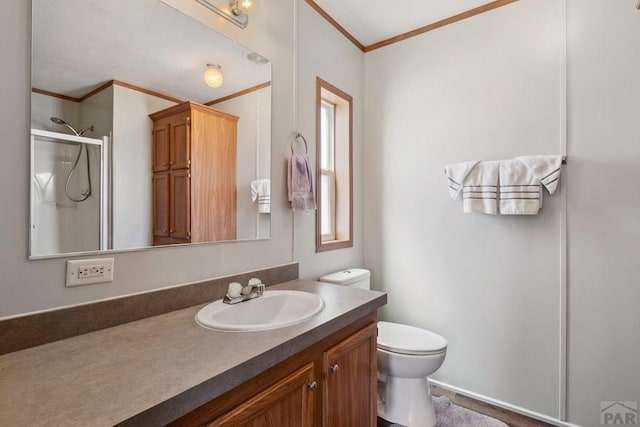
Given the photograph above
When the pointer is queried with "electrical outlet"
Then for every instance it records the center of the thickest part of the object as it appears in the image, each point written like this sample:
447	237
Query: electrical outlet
88	271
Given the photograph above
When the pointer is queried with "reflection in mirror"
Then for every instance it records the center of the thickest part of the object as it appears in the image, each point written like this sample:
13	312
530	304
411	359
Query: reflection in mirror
130	146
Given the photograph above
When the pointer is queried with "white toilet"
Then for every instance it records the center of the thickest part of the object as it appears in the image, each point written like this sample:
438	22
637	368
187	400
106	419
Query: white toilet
406	357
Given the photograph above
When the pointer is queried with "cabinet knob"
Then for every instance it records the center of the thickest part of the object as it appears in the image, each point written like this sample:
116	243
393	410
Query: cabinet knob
313	386
170	231
164	230
164	164
335	368
171	163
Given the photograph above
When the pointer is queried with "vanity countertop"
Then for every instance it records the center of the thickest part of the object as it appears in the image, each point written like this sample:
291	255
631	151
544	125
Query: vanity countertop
152	371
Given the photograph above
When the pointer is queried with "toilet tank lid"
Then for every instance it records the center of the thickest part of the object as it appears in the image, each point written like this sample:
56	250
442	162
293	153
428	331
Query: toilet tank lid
346	277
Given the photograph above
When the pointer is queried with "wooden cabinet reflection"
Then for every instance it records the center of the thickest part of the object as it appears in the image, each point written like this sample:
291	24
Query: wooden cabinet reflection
194	174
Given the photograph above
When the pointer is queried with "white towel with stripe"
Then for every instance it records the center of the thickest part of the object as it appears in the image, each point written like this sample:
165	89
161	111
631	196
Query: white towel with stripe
546	169
520	190
478	183
261	191
521	182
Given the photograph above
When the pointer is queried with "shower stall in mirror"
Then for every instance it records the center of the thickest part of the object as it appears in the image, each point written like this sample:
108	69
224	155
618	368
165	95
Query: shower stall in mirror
69	202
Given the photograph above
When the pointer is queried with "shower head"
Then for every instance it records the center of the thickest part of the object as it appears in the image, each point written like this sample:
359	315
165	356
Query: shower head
59	121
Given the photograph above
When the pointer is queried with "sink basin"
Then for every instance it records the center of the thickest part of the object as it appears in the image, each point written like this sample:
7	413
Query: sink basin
274	309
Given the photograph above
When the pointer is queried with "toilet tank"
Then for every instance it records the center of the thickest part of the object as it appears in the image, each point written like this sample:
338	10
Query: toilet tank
355	277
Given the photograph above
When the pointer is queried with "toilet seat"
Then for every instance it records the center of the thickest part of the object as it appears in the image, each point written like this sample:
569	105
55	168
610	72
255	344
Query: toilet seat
405	339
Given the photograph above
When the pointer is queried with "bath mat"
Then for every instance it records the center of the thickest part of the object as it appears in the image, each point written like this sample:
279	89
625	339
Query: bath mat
451	415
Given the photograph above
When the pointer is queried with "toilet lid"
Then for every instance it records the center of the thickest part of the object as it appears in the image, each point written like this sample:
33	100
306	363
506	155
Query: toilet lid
405	339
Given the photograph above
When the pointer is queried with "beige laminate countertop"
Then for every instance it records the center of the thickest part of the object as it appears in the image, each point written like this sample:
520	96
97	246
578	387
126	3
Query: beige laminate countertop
154	370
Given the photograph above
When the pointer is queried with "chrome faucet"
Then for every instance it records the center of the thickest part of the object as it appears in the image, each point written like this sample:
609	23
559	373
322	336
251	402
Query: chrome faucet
236	293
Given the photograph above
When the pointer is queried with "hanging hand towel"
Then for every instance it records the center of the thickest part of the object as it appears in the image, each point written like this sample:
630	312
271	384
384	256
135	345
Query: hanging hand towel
546	169
300	183
521	183
261	191
520	190
478	182
456	174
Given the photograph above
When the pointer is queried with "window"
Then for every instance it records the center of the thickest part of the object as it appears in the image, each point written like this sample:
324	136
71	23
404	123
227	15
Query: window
334	129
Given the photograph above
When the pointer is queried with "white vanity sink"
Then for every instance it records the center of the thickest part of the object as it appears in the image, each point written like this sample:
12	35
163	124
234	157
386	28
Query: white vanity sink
274	309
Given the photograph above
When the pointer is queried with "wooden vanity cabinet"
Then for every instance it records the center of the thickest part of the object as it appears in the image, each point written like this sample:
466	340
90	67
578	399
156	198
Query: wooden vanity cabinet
194	174
330	384
289	402
350	390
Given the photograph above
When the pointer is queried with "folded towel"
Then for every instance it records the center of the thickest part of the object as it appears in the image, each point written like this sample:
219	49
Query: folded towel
546	169
456	174
520	190
300	183
261	191
478	182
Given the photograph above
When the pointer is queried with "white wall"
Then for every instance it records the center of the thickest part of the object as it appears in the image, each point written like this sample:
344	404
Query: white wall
491	87
323	52
36	285
603	191
487	88
254	147
131	146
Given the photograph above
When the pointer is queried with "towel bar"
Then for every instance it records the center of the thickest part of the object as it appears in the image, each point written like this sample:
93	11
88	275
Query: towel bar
296	136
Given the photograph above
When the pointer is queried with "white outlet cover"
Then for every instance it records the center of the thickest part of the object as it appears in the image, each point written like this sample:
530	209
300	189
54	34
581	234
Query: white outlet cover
74	265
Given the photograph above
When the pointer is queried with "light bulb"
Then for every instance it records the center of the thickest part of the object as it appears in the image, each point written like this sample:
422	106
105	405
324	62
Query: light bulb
246	4
213	76
240	7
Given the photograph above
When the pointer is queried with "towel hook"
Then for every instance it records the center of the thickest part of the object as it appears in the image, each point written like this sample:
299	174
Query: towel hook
296	137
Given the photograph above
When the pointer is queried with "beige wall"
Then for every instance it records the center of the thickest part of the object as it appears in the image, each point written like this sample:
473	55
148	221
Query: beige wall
323	52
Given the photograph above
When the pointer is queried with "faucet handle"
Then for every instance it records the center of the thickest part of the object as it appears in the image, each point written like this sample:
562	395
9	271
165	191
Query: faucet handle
254	285
254	281
234	290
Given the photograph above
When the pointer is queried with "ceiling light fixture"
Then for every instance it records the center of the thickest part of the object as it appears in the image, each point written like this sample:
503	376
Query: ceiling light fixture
213	75
235	11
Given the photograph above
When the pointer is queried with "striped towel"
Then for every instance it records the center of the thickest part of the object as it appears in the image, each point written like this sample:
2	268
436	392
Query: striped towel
261	191
521	182
478	183
520	190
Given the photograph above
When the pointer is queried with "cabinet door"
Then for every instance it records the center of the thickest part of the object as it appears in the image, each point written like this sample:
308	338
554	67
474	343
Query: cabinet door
350	373
287	403
180	205
161	204
161	148
180	146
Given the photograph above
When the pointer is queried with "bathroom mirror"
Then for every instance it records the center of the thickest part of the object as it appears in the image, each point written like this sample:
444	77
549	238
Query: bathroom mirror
105	77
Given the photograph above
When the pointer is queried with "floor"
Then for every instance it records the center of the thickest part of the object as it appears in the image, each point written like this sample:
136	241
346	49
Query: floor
508	417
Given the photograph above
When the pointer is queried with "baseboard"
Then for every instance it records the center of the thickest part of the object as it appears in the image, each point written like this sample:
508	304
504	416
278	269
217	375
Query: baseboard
505	405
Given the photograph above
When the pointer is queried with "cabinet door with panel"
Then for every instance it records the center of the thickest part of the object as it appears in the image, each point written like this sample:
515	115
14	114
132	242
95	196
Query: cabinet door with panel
350	381
180	205
160	147
180	142
287	403
161	204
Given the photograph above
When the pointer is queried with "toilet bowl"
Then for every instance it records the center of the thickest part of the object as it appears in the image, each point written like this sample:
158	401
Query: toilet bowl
406	357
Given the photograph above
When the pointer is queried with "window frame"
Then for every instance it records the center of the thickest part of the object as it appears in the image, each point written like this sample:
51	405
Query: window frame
342	191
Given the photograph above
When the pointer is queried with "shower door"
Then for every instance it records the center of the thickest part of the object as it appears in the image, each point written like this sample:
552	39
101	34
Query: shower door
69	194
